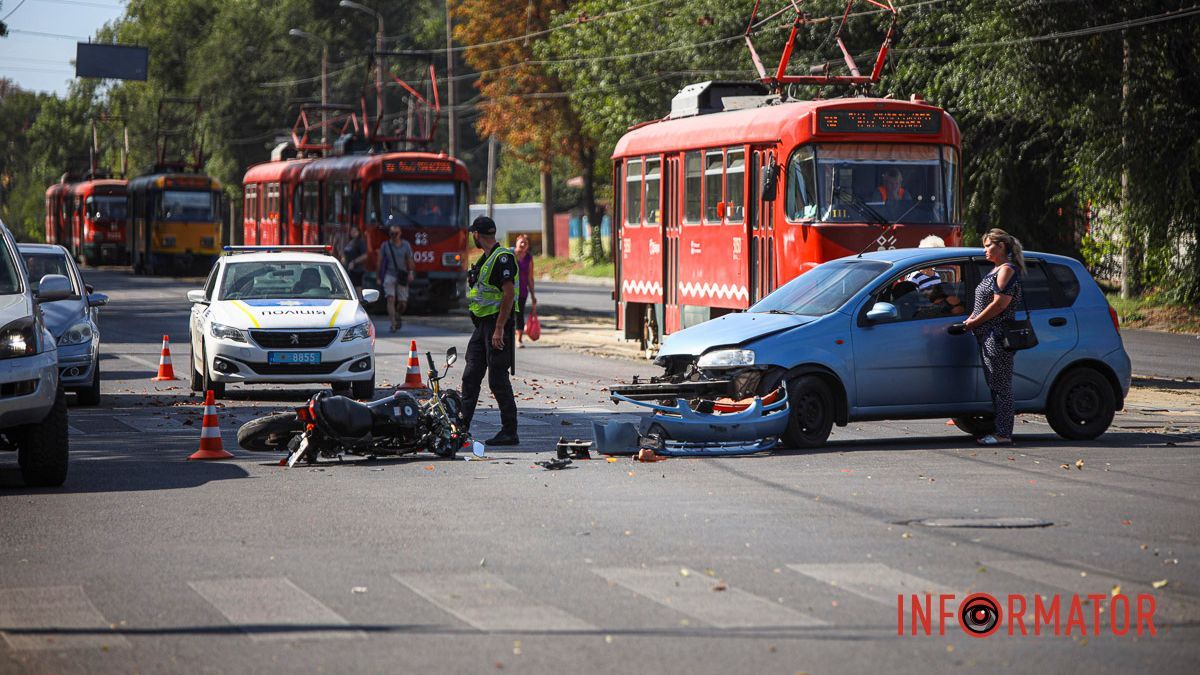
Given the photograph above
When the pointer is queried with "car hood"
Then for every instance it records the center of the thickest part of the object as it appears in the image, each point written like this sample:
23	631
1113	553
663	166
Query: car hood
246	314
12	307
729	331
62	314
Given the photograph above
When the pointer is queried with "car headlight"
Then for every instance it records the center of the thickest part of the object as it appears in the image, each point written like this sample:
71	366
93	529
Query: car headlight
362	331
726	358
220	330
76	335
19	338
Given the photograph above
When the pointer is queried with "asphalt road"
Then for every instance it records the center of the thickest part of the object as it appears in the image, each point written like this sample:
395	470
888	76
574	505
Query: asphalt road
780	563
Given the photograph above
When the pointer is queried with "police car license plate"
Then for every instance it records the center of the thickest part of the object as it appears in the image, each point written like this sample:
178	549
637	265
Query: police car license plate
293	357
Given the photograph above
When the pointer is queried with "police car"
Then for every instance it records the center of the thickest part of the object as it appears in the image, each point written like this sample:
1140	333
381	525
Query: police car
281	314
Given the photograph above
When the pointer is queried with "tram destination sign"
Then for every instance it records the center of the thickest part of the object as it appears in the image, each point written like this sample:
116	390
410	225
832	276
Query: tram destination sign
879	121
417	166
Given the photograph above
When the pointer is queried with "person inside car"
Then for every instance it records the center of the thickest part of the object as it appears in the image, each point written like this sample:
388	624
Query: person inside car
310	279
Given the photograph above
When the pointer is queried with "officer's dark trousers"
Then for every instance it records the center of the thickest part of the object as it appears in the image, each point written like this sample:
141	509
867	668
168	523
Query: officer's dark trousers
483	357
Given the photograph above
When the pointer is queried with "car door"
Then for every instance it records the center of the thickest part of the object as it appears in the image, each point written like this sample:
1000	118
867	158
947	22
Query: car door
911	362
1053	321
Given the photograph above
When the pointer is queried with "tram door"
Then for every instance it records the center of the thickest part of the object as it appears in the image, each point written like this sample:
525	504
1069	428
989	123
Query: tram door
671	219
762	226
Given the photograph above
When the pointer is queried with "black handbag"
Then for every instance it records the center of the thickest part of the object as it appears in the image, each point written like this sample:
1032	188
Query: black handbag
1018	334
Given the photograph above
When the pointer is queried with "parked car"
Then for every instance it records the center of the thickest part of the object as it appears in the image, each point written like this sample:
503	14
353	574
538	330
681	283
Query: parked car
74	320
854	339
281	315
33	406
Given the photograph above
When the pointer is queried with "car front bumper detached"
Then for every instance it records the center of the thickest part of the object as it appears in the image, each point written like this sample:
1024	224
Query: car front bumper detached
700	427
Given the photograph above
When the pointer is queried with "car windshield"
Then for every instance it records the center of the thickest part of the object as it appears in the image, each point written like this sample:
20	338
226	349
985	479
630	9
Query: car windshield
187	205
111	207
283	281
40	264
421	203
10	282
823	289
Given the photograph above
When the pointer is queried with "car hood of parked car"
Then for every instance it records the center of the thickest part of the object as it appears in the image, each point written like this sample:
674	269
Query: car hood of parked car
62	314
12	307
730	330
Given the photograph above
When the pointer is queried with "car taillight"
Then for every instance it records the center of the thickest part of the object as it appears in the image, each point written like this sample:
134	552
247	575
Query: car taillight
1112	313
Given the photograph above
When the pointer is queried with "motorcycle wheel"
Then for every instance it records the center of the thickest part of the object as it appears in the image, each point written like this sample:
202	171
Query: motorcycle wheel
447	447
271	433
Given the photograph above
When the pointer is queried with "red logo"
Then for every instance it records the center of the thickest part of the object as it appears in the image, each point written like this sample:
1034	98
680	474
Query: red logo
981	615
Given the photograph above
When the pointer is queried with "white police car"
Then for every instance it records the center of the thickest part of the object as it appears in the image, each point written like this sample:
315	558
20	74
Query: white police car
282	314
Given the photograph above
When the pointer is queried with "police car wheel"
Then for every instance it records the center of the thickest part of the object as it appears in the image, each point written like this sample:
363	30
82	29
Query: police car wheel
811	418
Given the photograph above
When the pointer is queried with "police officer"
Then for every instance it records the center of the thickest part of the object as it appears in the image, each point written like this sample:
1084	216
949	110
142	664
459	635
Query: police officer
493	281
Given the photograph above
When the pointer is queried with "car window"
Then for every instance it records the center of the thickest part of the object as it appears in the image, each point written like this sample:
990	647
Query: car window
927	293
211	284
283	280
1068	283
10	280
41	264
823	289
1035	287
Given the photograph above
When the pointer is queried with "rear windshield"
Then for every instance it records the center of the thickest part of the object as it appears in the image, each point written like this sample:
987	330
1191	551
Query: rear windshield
10	280
823	289
283	281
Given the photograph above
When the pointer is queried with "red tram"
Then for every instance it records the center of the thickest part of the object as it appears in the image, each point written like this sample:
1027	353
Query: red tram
271	204
90	218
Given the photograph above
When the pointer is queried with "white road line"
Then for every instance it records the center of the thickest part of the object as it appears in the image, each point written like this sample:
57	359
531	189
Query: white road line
149	364
873	581
273	609
488	603
32	618
1070	579
693	595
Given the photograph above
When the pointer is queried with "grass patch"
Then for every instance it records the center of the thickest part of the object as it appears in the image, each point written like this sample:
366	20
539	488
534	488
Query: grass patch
1151	311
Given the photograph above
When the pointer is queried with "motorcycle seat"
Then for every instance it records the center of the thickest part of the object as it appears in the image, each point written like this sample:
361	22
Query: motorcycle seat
345	417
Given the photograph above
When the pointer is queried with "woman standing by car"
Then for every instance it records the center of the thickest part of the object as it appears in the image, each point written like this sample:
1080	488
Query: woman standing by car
996	299
525	280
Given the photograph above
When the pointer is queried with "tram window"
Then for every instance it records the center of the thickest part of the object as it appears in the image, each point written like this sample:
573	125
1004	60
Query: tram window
735	187
651	190
802	185
187	205
900	182
422	203
250	205
272	210
691	187
633	192
107	206
336	202
297	203
714	176
312	201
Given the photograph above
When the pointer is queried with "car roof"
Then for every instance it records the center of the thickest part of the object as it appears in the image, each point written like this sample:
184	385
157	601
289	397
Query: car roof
904	256
281	256
41	248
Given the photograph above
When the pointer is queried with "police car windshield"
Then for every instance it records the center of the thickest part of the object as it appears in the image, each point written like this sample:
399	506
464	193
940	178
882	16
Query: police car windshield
823	289
290	280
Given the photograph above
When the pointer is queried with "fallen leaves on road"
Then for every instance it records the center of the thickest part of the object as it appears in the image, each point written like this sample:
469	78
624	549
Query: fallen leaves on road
1065	466
610	460
359	589
1116	590
1159	584
721	586
1079	464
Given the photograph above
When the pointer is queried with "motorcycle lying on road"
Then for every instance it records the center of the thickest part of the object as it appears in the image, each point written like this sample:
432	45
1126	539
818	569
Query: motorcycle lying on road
408	421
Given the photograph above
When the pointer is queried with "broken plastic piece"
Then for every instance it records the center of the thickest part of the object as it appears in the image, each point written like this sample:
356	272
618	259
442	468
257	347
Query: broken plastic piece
554	464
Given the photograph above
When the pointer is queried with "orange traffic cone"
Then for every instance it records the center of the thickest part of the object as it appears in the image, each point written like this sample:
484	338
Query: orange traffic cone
412	378
210	432
165	371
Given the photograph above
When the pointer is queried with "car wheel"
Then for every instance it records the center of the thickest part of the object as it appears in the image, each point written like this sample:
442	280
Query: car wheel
42	449
1081	405
811	419
364	389
197	383
90	395
976	425
217	388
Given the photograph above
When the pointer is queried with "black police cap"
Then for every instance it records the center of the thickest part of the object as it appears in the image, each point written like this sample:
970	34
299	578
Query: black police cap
484	225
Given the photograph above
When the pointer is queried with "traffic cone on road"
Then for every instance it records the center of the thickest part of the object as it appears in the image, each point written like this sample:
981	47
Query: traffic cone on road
210	432
165	371
412	378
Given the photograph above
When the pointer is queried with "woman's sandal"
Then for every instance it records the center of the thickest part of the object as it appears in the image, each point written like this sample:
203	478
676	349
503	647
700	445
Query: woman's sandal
992	440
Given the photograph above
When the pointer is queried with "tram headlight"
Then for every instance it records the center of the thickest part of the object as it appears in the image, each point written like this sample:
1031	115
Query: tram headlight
452	260
220	330
726	358
78	334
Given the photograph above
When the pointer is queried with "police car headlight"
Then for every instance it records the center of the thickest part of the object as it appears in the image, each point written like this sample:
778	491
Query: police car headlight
726	358
78	334
361	331
220	330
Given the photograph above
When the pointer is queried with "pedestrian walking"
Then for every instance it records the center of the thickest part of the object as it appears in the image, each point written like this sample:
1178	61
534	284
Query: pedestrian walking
525	290
996	299
354	255
396	269
493	280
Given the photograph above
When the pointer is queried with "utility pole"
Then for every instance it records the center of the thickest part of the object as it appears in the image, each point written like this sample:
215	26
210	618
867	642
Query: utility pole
296	32
491	177
452	114
547	215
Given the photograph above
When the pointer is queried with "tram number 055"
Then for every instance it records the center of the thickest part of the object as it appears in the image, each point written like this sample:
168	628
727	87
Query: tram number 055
423	256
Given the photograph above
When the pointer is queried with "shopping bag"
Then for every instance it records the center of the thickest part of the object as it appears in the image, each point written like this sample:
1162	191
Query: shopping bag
533	327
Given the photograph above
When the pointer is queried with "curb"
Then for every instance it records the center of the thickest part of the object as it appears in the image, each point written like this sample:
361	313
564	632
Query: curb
589	281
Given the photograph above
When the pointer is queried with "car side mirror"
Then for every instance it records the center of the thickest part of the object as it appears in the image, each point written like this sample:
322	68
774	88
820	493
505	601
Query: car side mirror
451	356
97	299
883	311
54	287
196	296
370	295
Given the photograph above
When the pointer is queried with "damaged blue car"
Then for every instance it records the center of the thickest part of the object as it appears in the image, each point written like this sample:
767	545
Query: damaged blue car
855	339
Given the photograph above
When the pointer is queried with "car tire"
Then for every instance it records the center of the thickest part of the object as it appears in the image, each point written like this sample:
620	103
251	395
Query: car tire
811	419
208	384
976	425
42	449
90	395
197	380
363	390
1081	405
256	434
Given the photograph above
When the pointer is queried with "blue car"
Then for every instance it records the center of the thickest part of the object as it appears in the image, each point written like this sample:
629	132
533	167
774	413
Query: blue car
859	338
72	320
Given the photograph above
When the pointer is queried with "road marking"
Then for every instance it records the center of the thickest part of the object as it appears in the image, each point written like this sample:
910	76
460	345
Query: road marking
1073	580
140	361
273	609
54	617
693	595
873	581
488	603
